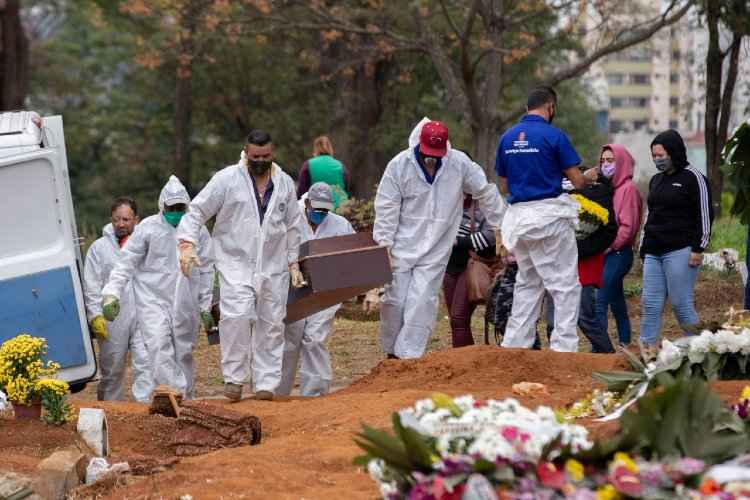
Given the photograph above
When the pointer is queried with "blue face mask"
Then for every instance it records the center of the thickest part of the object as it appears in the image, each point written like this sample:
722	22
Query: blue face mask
316	216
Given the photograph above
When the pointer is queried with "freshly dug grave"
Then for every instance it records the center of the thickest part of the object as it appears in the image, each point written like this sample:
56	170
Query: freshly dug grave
307	446
134	436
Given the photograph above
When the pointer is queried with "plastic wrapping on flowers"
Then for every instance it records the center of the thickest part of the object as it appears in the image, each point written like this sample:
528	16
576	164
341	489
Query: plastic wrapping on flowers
461	448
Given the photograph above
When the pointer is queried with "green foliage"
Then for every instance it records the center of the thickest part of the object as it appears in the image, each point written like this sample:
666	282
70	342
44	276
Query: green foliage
728	232
359	212
736	159
680	417
57	410
632	289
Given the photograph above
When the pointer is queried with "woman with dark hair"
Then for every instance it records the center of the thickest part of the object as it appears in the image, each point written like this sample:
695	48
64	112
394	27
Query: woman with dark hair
677	231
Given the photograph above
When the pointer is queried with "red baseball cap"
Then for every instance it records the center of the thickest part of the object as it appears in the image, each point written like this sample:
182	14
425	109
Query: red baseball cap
433	141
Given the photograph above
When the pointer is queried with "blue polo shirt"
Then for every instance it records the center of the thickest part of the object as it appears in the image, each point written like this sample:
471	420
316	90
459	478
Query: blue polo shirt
532	157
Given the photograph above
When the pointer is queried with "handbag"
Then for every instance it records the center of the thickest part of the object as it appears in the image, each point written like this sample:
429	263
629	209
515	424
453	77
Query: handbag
480	272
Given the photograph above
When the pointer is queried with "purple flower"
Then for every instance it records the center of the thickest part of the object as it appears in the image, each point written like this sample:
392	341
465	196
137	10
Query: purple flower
689	466
742	409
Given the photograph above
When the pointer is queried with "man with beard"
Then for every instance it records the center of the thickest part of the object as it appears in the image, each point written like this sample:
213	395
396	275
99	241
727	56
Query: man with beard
257	239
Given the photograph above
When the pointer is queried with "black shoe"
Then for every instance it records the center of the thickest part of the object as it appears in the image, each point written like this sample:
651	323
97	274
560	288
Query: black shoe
392	356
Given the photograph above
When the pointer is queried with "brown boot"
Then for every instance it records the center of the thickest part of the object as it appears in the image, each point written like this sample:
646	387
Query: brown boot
232	392
264	396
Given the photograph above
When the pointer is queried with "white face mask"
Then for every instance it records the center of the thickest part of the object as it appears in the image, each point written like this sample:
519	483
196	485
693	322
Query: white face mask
607	169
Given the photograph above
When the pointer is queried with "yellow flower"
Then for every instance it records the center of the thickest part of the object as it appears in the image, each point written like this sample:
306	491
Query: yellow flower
574	468
444	401
624	459
607	492
745	393
591	209
52	385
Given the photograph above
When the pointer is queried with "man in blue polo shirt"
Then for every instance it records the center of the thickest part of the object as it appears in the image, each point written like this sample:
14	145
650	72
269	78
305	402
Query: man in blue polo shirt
533	158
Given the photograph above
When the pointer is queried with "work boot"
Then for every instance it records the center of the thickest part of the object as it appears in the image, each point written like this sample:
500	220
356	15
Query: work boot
264	396
232	392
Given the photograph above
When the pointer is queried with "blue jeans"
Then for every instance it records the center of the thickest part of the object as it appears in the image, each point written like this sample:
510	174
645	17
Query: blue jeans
617	265
747	263
668	275
588	322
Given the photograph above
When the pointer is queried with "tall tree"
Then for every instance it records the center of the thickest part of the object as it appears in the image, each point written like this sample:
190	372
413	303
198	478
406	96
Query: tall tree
14	56
177	35
722	66
487	52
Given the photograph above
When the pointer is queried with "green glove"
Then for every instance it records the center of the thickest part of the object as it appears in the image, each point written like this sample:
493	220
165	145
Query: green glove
110	307
207	320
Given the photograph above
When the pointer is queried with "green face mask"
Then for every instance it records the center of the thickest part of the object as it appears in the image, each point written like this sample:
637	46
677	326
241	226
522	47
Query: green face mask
173	218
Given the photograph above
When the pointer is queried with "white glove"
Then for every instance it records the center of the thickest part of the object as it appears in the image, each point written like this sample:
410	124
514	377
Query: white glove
296	276
188	257
567	185
371	304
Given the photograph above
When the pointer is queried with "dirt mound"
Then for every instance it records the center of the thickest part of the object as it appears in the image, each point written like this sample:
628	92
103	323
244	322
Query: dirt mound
307	446
490	372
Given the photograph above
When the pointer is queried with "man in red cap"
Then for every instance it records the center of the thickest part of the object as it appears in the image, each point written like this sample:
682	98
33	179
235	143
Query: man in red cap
418	209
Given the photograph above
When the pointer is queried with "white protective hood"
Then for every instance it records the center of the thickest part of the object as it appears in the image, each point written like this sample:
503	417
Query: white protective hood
172	193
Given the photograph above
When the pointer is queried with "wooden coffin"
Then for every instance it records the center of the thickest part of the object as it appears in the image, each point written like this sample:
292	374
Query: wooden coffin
337	269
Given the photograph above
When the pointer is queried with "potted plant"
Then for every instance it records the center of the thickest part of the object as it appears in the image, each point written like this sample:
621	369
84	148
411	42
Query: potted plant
28	381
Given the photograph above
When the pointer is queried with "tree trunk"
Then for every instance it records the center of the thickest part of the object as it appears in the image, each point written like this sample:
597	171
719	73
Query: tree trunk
714	64
182	130
184	105
357	112
485	148
14	58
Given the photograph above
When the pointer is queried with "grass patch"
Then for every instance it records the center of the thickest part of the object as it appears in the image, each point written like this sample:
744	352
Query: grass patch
729	233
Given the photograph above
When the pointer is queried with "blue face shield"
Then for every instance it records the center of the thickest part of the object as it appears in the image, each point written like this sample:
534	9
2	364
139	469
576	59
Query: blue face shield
316	216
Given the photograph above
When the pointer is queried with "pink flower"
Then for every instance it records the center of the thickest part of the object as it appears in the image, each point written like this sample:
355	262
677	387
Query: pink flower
626	481
510	433
550	476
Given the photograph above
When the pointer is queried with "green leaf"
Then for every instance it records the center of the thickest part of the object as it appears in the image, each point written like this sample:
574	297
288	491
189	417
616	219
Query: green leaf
417	450
634	361
711	365
618	380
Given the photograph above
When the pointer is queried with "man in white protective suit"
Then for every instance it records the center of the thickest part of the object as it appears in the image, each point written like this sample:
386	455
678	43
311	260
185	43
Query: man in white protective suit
171	308
533	157
122	335
305	340
257	236
418	208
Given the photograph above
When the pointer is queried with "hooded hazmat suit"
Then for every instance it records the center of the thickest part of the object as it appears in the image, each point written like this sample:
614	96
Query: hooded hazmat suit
306	338
253	260
419	221
168	303
124	333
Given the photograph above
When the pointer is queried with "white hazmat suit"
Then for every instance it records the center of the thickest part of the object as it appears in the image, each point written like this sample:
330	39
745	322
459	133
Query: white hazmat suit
305	340
419	221
124	333
168	303
253	263
541	235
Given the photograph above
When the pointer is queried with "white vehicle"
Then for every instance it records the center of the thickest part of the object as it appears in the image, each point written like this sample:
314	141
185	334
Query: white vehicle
40	260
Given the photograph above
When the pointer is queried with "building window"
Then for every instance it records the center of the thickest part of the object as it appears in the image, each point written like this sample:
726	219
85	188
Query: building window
615	126
639	102
640	79
674	101
673	124
616	102
615	79
676	55
639	124
674	78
